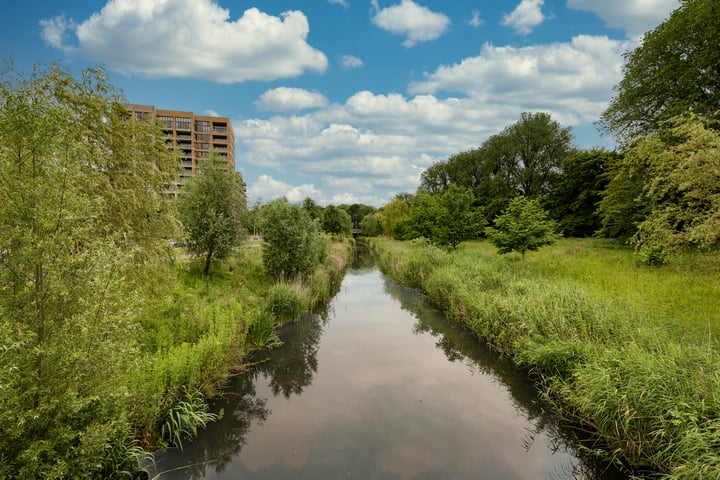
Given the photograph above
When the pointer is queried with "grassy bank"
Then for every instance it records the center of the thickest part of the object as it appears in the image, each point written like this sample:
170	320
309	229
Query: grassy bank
630	351
196	330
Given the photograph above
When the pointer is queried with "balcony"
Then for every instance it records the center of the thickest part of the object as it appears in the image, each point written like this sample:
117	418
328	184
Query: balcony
219	129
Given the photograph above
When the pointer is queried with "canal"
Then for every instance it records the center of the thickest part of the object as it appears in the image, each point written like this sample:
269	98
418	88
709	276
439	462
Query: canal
379	386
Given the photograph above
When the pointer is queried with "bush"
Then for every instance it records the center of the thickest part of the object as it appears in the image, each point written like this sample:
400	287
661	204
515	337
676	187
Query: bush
292	244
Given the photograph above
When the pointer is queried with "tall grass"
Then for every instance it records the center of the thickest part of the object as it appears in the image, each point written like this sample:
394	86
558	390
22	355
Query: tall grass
630	351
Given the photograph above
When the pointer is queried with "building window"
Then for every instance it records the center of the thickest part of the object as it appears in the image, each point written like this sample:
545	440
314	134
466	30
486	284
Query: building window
166	120
202	126
202	136
182	123
202	154
202	146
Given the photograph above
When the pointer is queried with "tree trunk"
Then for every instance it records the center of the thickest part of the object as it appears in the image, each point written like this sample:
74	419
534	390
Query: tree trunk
206	271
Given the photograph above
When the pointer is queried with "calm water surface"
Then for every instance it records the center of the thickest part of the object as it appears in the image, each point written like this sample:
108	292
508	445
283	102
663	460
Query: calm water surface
380	386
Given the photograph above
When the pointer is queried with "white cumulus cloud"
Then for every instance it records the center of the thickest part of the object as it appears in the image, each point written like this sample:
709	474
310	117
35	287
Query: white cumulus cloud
286	99
190	39
476	20
344	3
634	16
575	78
268	189
415	22
526	16
348	62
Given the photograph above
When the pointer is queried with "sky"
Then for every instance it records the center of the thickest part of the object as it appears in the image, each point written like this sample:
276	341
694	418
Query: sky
346	101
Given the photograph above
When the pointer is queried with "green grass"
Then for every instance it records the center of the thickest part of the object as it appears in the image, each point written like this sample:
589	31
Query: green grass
629	350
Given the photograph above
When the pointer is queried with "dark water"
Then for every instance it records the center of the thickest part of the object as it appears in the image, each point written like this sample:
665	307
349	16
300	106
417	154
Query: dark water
380	386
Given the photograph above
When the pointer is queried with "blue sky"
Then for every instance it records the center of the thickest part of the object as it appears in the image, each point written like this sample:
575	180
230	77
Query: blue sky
346	101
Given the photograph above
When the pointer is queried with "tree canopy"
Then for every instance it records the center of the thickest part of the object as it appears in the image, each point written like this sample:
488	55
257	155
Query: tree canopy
292	242
682	185
446	218
577	191
212	206
336	220
524	226
675	70
523	159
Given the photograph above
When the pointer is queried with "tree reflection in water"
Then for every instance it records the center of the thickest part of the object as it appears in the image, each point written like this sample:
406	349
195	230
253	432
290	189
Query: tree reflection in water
221	441
291	368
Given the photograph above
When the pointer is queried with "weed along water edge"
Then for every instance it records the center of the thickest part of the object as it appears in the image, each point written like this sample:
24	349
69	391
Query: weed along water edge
380	385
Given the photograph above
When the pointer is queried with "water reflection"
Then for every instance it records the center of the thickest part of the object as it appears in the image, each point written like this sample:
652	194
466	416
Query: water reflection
380	386
462	346
221	441
293	370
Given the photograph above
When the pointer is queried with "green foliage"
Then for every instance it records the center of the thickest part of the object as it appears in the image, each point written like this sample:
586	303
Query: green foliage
392	214
285	301
524	226
188	414
261	330
673	72
313	209
577	190
523	159
446	218
530	151
75	220
336	220
292	243
370	225
683	187
620	208
211	207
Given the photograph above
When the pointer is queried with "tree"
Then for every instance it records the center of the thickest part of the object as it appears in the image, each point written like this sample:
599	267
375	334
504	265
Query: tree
530	152
459	220
523	159
370	226
446	218
211	207
314	210
682	186
292	243
675	70
524	226
391	214
577	190
336	220
75	219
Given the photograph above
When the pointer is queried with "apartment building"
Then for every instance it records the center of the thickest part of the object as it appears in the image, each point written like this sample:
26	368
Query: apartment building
192	138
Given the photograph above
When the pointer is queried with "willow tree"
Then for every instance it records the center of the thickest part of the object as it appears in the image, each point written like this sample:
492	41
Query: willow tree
682	184
212	207
80	204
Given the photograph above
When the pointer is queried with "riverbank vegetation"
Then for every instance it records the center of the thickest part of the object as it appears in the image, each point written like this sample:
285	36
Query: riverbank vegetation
111	340
628	351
